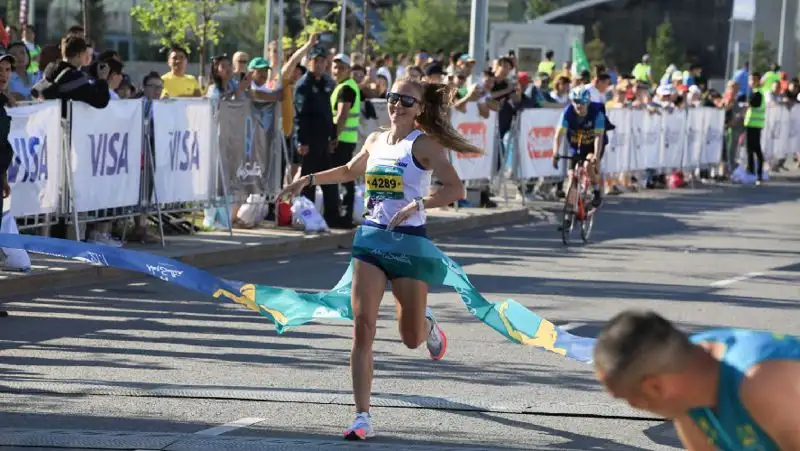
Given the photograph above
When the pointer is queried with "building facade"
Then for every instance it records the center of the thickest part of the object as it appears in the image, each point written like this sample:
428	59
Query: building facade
700	28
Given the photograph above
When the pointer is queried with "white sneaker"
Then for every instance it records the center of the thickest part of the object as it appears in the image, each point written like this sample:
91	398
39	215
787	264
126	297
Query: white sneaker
105	239
437	341
361	429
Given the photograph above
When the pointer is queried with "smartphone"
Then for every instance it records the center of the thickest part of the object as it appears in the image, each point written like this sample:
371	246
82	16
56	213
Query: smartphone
241	76
327	39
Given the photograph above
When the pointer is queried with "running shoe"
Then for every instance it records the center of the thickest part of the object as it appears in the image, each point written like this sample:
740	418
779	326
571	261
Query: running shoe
437	341
361	428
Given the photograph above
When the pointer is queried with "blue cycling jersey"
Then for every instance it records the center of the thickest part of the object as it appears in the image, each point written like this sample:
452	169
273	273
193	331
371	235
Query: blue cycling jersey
729	426
581	130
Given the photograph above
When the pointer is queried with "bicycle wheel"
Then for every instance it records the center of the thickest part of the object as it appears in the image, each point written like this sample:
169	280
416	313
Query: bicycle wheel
568	216
588	222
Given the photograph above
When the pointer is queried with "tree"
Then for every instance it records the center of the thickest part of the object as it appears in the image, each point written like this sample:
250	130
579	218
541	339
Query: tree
764	55
662	50
96	28
595	49
425	24
538	8
12	13
190	23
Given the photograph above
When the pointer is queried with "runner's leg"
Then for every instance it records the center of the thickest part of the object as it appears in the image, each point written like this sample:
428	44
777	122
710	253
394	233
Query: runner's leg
414	319
369	283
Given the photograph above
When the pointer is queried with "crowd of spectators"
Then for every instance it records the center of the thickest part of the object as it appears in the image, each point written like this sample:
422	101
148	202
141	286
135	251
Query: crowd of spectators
74	69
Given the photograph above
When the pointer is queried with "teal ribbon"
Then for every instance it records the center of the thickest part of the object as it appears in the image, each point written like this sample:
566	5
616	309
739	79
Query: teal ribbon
416	257
400	254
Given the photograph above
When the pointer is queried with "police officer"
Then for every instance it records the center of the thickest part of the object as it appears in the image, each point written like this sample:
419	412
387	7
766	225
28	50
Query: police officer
754	123
346	109
314	131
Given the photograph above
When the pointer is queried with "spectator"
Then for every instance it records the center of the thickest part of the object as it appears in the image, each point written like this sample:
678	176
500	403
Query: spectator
50	54
65	81
402	64
422	58
694	96
599	86
434	73
6	151
291	72
692	76
177	83
415	73
547	66
560	92
151	90
240	62
21	79
29	39
740	77
754	123
642	72
774	96
315	133
126	90
771	77
223	86
382	70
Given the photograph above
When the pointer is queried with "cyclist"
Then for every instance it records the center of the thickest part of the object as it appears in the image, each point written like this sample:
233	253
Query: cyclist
584	123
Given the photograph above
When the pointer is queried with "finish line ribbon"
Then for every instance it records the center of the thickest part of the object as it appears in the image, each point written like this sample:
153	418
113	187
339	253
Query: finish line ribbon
400	254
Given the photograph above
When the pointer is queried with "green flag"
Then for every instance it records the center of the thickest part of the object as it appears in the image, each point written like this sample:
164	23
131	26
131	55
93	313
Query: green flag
579	61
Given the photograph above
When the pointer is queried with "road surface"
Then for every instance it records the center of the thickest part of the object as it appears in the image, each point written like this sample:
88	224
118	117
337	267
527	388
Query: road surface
149	366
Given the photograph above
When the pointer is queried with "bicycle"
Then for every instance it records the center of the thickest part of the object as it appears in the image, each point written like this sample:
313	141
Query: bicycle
577	209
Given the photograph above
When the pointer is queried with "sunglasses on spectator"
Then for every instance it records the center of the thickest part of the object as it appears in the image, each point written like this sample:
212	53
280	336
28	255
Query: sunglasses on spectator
154	86
406	101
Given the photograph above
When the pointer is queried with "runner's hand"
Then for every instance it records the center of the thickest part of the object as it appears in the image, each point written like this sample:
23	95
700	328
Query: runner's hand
402	215
291	190
6	190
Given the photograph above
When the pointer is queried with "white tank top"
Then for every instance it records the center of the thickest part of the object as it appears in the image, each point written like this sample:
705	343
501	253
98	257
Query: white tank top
393	180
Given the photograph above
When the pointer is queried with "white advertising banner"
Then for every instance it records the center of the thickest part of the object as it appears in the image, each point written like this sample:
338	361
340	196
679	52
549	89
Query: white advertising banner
35	171
714	123
480	132
537	129
673	139
184	150
106	154
618	151
775	135
695	139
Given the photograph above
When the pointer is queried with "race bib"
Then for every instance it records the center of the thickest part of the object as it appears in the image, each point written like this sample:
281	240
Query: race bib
384	182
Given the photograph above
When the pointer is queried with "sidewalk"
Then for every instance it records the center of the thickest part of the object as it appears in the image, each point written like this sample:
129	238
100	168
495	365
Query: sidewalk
210	249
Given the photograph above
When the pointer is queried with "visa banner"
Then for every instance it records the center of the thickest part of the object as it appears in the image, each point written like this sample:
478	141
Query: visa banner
184	149
35	171
105	154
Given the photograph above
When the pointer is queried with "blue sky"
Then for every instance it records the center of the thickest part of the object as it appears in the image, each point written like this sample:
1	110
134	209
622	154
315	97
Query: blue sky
744	9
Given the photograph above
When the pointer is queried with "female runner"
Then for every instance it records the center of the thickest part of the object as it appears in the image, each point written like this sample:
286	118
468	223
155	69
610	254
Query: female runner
397	165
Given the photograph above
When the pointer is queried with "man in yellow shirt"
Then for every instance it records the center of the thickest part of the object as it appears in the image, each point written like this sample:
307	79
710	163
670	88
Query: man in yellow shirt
177	83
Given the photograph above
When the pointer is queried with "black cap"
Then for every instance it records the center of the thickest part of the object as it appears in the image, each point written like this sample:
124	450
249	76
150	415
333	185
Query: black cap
7	57
434	69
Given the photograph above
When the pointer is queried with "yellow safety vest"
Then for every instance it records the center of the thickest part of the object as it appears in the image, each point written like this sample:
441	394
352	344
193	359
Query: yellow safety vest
641	71
350	132
546	67
755	117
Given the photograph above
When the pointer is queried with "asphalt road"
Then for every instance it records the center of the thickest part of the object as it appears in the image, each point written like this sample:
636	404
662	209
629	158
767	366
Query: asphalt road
157	367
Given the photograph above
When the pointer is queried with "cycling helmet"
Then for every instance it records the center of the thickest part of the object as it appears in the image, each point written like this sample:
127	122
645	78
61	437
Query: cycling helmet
580	95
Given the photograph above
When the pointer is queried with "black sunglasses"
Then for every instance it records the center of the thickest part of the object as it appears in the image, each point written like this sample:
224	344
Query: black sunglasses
406	101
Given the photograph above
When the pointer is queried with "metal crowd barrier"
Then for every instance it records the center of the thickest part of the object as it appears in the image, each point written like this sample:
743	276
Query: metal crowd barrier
169	159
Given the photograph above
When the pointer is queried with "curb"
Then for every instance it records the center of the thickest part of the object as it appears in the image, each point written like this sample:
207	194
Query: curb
87	275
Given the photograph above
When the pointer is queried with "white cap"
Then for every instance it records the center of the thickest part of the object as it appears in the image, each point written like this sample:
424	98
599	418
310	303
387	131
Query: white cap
343	58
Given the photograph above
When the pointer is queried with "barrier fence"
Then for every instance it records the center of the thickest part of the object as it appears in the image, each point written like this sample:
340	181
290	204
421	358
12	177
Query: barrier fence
137	157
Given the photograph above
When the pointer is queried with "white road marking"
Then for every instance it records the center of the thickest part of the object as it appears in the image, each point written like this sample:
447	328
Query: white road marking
732	280
569	326
219	430
238	424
